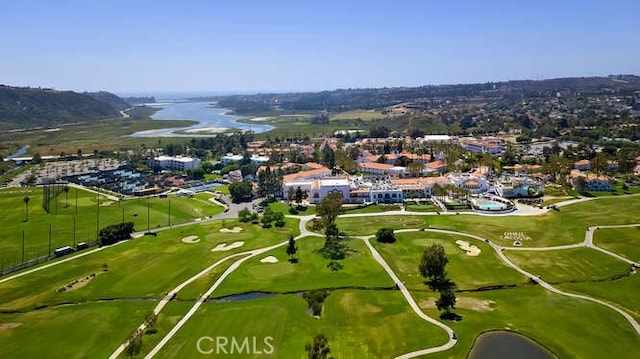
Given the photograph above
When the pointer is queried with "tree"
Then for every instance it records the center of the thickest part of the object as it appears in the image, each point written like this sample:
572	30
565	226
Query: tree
66	196
267	217
244	215
329	208
278	217
300	196
241	191
599	162
115	233
134	344
447	301
291	192
433	262
26	200
292	249
385	235
36	159
319	349
415	168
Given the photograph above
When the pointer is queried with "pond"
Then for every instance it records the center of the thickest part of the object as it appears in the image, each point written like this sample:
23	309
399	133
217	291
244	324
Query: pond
507	345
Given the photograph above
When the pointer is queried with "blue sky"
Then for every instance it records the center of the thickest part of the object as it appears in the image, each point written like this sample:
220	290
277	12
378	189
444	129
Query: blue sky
155	46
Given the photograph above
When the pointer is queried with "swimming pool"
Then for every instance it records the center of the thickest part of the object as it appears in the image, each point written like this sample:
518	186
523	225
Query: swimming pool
489	205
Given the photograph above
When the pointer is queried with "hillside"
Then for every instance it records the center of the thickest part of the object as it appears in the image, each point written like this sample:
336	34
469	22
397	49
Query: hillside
23	107
110	99
428	96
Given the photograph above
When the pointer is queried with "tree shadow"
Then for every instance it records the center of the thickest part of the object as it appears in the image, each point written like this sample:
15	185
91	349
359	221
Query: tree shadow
451	316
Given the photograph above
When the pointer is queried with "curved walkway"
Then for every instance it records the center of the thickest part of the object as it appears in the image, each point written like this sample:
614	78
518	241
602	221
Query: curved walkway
414	306
249	254
499	250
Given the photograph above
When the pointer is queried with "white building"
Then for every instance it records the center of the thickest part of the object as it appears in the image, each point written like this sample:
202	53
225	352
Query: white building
255	159
177	163
320	188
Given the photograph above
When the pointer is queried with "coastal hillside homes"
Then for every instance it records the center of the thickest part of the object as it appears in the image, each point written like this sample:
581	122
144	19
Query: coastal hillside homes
589	182
612	165
582	165
177	163
307	150
492	147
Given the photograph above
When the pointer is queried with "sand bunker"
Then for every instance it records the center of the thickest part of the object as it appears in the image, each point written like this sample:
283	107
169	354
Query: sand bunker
234	230
469	248
227	247
269	259
7	326
190	239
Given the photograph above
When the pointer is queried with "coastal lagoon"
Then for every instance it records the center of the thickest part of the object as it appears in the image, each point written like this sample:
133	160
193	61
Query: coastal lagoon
211	120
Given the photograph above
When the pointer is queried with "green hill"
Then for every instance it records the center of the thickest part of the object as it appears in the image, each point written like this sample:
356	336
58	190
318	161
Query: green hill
24	107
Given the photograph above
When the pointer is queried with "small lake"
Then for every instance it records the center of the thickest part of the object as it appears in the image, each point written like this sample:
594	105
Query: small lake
507	345
211	120
21	151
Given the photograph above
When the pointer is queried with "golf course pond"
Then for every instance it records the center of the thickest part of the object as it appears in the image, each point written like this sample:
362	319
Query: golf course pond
506	345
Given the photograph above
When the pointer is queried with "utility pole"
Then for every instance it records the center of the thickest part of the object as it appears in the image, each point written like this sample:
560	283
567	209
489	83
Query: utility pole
76	201
148	218
23	246
98	218
49	240
74	231
169	212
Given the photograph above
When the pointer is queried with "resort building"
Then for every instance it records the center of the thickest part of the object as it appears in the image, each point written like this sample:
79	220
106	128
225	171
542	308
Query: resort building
255	159
177	163
475	185
590	182
321	188
492	147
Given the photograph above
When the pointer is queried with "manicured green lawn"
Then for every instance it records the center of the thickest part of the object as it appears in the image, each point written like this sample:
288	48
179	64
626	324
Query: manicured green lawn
468	272
89	330
374	208
311	272
36	230
621	292
145	267
565	226
422	208
357	323
284	208
622	241
358	226
571	328
569	265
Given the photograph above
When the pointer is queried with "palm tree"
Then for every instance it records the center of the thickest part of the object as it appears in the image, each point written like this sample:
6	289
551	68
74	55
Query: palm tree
26	200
